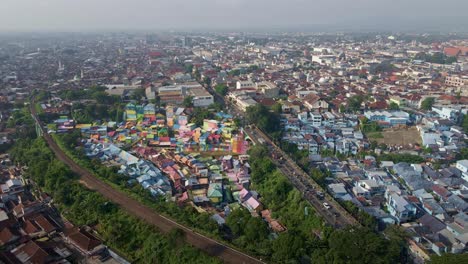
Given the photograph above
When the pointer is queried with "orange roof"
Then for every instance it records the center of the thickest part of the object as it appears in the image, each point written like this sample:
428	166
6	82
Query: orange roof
452	51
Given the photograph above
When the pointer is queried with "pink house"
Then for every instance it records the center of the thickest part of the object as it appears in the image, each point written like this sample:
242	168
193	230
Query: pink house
253	205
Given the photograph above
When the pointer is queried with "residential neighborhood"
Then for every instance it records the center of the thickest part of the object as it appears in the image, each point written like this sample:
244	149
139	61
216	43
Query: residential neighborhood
377	124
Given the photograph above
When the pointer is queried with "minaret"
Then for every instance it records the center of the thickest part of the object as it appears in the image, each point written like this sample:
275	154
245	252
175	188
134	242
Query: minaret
60	67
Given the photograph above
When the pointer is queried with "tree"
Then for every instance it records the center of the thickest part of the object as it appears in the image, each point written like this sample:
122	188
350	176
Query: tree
263	119
449	259
369	248
237	221
277	108
318	176
465	123
288	246
383	67
188	101
138	94
157	102
207	81
395	157
256	230
427	103
200	114
342	109
222	89
394	106
354	103
437	57
188	68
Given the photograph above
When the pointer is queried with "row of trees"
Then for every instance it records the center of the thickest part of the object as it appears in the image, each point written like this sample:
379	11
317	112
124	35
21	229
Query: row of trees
87	113
369	126
299	244
183	214
222	89
241	229
101	107
23	123
237	72
436	57
268	121
397	157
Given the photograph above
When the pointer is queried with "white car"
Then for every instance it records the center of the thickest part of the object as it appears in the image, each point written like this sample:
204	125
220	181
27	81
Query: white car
326	205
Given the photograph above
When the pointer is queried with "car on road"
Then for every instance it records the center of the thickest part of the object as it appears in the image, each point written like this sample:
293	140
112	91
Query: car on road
326	205
320	195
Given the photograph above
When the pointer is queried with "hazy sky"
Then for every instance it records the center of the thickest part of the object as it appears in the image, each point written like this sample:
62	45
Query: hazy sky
210	14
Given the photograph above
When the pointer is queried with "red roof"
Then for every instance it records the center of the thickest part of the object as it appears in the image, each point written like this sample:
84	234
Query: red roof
84	240
452	51
379	105
440	190
155	54
267	102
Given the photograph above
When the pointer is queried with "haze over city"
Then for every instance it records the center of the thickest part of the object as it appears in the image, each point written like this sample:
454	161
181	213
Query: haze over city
316	15
234	131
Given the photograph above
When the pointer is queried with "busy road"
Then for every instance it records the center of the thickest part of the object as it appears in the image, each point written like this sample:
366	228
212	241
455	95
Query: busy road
332	212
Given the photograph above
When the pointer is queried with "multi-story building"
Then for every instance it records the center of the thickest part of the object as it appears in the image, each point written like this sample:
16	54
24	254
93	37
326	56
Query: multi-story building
171	94
456	80
316	119
400	208
269	89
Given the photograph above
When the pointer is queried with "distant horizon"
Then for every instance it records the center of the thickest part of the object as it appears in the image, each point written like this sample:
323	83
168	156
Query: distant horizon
312	29
234	15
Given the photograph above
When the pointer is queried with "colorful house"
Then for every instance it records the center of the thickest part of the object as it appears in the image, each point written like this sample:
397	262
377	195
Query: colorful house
215	192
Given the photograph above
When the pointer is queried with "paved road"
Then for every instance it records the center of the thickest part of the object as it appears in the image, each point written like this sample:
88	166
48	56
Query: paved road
336	216
210	246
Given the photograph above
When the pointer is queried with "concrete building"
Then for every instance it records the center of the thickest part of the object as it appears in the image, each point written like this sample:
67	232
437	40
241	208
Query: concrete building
244	84
392	118
201	97
456	80
269	89
400	208
171	94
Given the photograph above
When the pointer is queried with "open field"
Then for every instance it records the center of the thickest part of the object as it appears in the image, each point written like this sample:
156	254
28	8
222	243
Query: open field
396	136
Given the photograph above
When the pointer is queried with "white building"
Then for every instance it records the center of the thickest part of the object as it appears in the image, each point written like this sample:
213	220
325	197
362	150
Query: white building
462	165
150	93
456	80
201	97
446	112
316	119
244	84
